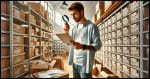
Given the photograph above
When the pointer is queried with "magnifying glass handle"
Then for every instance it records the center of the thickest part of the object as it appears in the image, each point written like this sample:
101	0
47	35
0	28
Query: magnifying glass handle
66	27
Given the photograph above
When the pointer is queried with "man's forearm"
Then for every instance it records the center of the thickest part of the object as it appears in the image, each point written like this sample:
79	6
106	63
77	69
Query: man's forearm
88	47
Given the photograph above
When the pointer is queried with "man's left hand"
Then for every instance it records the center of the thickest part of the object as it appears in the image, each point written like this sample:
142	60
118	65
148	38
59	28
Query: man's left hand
77	45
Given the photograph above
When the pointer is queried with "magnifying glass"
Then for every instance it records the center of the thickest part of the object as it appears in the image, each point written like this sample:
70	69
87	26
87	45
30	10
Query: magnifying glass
65	18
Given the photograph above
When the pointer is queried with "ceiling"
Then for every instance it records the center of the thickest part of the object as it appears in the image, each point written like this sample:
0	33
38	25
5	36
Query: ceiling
88	5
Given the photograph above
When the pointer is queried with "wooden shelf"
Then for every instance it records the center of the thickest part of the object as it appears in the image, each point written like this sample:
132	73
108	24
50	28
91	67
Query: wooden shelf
113	7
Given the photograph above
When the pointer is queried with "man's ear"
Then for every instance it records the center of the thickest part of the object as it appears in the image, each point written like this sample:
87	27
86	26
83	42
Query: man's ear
82	12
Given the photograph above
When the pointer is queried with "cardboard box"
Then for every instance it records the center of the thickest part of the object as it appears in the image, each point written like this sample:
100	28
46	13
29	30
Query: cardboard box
5	38
37	7
26	40
146	11
36	52
5	73
146	39
38	22
52	63
18	39
39	67
18	59
4	7
18	28
5	62
31	31
46	15
18	50
146	25
16	12
5	51
95	70
43	25
4	25
59	62
18	69
32	52
22	15
30	18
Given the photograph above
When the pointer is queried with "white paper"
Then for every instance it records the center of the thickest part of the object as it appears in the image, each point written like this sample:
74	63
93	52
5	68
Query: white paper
65	38
50	73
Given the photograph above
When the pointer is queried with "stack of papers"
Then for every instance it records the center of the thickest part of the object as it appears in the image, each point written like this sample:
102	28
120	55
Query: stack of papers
50	73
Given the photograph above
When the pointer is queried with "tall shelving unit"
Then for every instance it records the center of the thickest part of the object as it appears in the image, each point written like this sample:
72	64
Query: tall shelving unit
20	47
125	39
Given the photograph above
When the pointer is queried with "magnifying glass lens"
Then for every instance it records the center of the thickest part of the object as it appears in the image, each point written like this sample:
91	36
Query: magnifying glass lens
65	18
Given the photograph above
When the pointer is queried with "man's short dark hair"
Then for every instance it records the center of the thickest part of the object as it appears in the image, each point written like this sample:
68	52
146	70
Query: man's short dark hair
76	6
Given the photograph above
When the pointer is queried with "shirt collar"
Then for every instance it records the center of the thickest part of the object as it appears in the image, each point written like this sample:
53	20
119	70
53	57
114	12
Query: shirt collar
85	24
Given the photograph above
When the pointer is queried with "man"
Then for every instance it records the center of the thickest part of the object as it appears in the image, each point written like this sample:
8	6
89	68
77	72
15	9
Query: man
86	41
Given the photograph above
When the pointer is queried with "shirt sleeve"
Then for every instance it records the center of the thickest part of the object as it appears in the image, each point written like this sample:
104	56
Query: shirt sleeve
96	42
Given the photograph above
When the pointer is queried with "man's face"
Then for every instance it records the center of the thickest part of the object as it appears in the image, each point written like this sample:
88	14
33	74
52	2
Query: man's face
77	16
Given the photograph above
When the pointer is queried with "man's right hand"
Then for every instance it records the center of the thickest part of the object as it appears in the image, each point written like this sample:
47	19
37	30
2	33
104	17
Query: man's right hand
66	27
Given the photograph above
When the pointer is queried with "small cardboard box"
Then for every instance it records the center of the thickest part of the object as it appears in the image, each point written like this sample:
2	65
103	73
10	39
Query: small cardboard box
5	51
22	15
5	74
18	39
18	50
4	6
5	62
5	39
39	67
37	7
5	25
16	12
46	15
18	59
18	28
